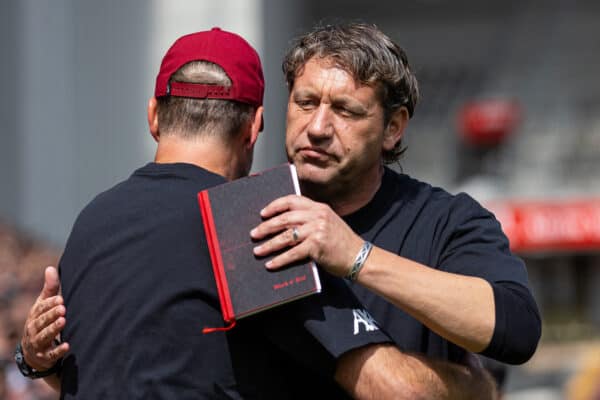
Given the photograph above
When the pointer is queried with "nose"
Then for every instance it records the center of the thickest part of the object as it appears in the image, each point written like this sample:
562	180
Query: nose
321	123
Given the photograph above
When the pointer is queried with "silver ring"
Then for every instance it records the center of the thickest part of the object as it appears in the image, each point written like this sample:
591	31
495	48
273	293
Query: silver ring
295	234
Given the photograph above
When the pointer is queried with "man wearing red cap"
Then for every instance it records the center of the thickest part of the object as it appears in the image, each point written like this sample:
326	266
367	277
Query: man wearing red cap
136	276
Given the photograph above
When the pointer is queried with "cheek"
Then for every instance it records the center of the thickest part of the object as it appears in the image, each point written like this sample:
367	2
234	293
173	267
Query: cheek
294	115
364	147
288	145
291	139
291	124
355	139
295	126
290	136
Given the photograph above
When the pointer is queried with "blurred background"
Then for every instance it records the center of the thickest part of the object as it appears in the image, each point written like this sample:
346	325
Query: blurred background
510	113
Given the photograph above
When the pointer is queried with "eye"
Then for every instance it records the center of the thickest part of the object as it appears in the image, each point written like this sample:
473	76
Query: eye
305	104
345	112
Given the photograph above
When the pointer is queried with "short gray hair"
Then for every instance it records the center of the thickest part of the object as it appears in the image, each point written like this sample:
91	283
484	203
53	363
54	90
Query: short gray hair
191	117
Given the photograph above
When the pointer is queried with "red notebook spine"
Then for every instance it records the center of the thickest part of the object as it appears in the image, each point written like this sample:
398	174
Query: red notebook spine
215	255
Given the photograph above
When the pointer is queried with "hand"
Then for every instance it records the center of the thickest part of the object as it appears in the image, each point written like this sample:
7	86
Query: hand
321	235
45	321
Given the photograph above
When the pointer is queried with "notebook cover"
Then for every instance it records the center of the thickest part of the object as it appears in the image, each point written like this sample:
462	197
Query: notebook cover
229	212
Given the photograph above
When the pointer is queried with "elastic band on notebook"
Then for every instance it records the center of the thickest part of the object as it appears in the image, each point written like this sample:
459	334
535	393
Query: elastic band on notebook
220	329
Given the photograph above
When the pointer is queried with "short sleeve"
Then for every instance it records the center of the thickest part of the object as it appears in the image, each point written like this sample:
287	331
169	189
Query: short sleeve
475	245
518	325
317	330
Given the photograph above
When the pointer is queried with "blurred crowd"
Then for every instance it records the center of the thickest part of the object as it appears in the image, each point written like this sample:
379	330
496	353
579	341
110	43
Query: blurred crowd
585	384
22	262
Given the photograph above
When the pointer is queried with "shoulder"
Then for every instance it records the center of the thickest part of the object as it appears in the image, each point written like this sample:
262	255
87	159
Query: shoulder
432	202
103	202
456	219
437	223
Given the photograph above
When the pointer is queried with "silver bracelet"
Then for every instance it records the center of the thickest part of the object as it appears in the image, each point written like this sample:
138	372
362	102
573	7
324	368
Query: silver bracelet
359	262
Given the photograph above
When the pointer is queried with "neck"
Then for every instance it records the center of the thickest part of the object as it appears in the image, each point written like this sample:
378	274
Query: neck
346	197
209	153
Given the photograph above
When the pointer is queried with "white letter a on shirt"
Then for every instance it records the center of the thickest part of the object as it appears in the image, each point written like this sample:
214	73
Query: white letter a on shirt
364	318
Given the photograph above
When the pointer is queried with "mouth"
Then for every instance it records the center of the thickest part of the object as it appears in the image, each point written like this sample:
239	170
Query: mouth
314	153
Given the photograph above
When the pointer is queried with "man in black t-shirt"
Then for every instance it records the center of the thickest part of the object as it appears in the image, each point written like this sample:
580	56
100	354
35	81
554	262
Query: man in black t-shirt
137	281
434	270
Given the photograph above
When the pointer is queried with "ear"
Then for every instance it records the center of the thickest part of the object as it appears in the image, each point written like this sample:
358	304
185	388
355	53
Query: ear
153	118
395	128
256	126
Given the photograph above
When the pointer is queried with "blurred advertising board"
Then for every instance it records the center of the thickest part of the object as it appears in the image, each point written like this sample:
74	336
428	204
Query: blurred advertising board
550	225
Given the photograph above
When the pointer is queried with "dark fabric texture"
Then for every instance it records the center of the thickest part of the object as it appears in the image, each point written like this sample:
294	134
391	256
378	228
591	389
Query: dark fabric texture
453	234
449	233
139	289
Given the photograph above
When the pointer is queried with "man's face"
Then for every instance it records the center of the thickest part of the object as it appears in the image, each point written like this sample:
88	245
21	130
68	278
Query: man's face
335	128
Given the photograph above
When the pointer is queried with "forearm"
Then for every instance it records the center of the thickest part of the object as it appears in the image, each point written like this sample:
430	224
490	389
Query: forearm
456	307
384	372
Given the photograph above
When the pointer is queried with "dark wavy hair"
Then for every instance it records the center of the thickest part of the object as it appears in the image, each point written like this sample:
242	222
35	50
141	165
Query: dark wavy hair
370	56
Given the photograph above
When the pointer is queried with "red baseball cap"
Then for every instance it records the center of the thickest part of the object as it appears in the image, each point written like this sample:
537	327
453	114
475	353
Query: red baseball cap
229	51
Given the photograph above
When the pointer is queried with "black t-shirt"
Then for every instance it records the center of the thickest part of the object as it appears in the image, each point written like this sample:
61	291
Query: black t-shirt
449	233
453	234
139	289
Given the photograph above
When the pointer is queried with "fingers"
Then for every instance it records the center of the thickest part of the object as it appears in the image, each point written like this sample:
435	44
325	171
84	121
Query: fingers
288	238
45	360
43	340
291	221
48	325
285	203
297	242
45	321
41	330
51	283
50	357
287	212
280	223
42	306
294	254
38	343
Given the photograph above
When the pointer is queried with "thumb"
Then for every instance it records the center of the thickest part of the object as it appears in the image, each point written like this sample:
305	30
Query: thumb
51	283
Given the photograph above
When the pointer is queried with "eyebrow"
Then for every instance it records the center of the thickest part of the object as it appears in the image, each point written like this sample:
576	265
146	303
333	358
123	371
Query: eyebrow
342	101
350	104
303	93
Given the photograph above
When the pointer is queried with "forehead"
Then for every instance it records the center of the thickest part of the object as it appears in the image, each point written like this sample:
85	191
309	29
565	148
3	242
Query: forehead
319	70
325	75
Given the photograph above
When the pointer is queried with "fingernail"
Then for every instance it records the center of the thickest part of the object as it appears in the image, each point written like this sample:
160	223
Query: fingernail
269	264
256	249
262	212
253	232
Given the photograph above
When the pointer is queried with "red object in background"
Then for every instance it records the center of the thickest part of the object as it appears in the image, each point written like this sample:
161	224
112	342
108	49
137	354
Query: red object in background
488	122
570	225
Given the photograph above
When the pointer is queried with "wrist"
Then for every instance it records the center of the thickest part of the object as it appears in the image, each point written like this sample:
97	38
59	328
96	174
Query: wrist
359	261
30	372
